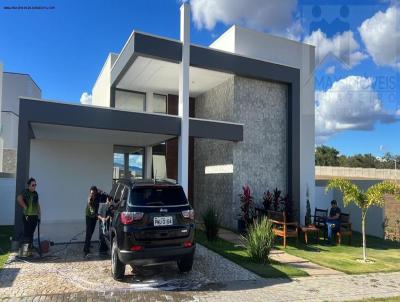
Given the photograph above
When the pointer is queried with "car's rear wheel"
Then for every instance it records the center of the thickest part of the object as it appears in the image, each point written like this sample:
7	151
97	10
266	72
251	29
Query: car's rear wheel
117	267
185	263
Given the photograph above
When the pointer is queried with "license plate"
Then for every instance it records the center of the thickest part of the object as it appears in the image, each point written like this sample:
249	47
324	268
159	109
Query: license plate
161	221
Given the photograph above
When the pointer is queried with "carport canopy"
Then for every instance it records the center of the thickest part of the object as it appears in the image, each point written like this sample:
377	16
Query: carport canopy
94	135
54	121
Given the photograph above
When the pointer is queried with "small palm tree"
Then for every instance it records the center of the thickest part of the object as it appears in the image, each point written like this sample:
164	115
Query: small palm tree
374	195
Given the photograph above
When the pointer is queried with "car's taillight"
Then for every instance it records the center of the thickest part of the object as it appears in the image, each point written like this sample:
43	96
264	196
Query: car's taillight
187	244
188	214
129	217
136	248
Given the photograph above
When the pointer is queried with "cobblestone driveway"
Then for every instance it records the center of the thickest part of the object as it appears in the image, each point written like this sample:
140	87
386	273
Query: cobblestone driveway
65	271
68	278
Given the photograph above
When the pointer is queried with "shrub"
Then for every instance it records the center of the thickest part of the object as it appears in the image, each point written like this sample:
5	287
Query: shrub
212	222
267	200
246	205
259	240
307	220
276	199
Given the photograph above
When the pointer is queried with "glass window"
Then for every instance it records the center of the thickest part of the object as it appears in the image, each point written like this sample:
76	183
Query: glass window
158	196
130	101
159	103
118	171
136	164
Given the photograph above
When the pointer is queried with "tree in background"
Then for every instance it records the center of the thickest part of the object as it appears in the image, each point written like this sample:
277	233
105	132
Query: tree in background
329	156
373	196
326	156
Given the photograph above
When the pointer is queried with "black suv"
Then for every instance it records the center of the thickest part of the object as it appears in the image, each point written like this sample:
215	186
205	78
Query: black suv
153	223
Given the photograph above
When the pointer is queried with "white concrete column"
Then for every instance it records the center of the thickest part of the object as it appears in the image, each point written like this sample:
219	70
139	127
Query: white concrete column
183	105
148	150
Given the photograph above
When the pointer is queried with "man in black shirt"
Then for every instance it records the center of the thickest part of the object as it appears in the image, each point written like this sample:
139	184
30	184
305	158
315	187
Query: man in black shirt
92	208
333	220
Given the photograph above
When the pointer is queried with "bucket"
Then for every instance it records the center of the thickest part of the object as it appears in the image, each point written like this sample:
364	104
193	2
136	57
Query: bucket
24	250
45	246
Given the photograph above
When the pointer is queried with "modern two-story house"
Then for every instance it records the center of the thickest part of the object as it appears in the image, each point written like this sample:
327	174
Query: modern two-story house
240	111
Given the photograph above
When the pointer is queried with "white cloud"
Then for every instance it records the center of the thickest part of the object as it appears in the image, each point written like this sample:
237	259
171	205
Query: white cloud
86	98
330	70
350	104
381	36
343	46
294	31
257	14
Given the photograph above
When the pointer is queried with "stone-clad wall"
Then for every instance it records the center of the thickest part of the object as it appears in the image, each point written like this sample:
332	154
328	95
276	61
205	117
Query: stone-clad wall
260	160
9	161
214	189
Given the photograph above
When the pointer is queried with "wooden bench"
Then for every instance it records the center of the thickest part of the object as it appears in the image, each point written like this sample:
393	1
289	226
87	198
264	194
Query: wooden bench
320	216
345	228
281	227
319	220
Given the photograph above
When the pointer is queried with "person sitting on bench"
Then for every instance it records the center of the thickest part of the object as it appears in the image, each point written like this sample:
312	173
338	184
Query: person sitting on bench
333	220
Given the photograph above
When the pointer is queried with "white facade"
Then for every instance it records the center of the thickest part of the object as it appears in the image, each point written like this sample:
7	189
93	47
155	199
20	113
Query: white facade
101	89
65	171
290	53
14	85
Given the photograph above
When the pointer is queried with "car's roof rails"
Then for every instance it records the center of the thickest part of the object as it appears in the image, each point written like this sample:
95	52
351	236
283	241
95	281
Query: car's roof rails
168	180
140	181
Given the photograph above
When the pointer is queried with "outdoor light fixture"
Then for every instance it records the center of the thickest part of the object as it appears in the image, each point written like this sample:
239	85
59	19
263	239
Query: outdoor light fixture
219	169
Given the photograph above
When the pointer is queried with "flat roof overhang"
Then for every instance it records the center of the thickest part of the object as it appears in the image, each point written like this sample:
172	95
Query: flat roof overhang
153	54
41	116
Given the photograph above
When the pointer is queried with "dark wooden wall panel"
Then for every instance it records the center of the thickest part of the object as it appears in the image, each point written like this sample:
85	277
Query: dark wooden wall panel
172	145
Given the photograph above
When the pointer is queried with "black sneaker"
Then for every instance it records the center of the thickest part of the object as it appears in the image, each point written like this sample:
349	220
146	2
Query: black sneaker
85	255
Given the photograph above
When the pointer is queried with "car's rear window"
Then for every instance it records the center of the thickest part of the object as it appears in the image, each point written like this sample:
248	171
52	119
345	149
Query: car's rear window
158	196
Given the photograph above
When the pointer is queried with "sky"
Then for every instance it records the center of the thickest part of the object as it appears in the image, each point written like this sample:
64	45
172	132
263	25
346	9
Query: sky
357	94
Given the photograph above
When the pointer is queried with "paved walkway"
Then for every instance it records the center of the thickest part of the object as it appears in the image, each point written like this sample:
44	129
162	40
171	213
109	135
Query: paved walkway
281	256
322	288
66	277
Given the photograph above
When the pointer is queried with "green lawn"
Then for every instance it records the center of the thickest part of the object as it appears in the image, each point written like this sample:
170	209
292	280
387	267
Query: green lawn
5	233
394	299
386	255
239	256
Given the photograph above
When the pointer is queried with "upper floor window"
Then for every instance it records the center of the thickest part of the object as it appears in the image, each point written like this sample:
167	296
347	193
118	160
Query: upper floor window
159	103
129	100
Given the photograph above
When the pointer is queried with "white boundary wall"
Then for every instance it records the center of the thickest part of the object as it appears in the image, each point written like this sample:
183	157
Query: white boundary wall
7	200
64	172
375	215
354	173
